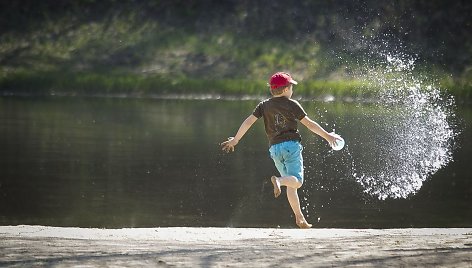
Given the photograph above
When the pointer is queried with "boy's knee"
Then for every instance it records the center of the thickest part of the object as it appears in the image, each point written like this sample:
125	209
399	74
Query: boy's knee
299	182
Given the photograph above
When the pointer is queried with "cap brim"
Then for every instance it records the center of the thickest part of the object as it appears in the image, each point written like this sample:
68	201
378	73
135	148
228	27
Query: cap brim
293	82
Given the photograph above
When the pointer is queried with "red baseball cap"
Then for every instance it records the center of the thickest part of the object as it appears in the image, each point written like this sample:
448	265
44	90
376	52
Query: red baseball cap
281	79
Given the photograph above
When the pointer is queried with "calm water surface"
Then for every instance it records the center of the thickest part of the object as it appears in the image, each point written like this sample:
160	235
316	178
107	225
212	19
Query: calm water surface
148	163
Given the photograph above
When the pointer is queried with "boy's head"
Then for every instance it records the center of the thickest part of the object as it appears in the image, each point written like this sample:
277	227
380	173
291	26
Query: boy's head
279	82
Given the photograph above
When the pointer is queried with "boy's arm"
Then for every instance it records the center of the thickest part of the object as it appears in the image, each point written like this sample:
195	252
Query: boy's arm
317	129
228	146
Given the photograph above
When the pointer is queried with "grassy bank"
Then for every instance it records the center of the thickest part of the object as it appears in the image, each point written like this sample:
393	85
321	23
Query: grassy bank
88	83
48	83
124	53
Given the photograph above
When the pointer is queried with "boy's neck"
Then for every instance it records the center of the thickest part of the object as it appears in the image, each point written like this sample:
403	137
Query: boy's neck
281	95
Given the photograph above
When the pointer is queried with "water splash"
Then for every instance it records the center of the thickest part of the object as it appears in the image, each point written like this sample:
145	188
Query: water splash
408	134
413	135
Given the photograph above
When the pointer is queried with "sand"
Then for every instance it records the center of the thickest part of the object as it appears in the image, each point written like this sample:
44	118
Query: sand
27	246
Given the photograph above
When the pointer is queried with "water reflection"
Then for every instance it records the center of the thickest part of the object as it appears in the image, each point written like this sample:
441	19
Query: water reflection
147	163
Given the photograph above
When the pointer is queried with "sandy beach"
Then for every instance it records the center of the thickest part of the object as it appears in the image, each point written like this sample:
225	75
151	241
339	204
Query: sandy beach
27	246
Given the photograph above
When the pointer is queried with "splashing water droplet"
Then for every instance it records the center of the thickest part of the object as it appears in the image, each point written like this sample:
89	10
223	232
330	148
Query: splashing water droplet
412	137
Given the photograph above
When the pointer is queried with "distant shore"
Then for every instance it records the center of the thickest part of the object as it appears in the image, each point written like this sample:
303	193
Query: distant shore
183	96
241	247
133	85
138	86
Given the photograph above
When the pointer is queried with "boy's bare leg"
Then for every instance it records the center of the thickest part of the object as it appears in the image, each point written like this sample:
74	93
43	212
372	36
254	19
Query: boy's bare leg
292	185
292	197
289	181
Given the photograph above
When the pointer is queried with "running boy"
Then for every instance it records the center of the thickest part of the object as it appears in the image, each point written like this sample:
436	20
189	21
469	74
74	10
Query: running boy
280	114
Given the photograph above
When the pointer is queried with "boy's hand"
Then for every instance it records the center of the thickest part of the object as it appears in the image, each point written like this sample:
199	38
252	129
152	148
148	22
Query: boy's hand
228	146
331	139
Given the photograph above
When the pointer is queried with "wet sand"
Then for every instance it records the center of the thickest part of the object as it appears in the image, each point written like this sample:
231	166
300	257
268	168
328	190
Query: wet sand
33	246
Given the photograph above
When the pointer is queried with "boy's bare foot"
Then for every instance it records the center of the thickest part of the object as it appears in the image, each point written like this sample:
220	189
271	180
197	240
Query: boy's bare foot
276	184
303	224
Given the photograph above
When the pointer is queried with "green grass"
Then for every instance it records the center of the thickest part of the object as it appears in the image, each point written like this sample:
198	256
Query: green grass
125	55
39	83
114	83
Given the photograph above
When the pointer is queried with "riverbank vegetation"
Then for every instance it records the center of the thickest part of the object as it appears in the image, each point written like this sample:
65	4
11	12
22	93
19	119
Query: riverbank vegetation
228	47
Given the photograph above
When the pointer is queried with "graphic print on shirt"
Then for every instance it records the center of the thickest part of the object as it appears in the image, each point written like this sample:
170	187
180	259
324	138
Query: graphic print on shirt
280	122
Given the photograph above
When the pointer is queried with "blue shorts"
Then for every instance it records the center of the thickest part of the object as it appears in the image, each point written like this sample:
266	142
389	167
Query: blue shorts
288	158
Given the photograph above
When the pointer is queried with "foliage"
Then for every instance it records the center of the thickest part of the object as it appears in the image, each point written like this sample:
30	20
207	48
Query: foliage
223	46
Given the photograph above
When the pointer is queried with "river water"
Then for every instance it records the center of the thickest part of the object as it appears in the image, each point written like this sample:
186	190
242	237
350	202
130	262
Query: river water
112	162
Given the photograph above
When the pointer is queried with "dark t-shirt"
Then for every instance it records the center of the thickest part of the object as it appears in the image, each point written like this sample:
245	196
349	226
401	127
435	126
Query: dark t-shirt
280	118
